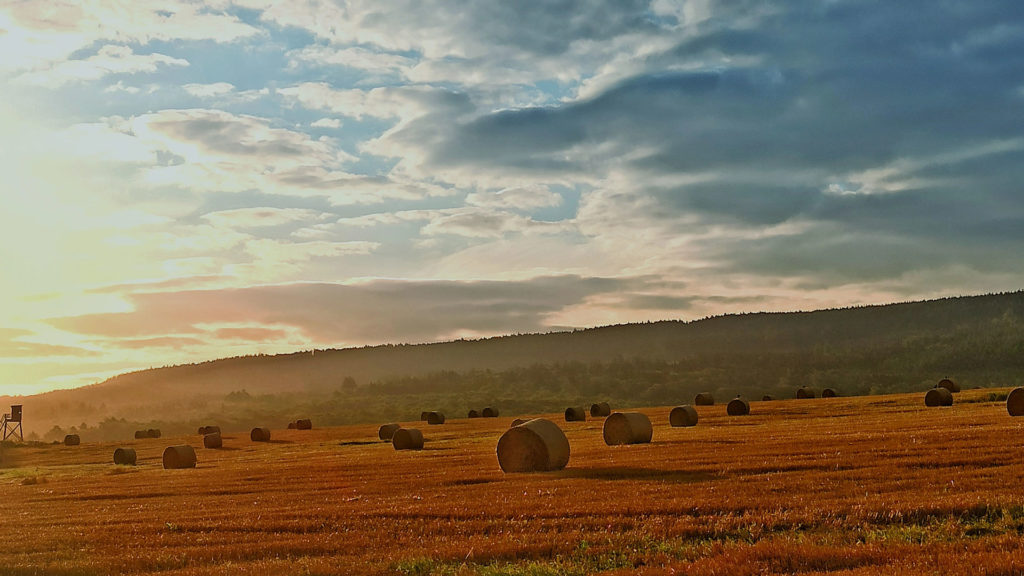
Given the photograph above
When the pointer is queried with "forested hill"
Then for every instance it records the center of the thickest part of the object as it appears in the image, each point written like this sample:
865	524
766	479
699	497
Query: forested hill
899	347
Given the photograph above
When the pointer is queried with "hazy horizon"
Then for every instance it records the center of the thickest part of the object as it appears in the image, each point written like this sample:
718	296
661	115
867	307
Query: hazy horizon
190	181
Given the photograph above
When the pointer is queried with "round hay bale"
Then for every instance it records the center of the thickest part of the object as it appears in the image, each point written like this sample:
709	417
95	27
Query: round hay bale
386	431
627	428
177	457
573	414
423	416
474	414
407	439
292	425
304	424
767	398
153	432
536	445
140	434
948	385
682	416
213	440
518	421
72	440
260	434
600	410
489	412
738	407
804	392
124	457
828	393
704	399
435	418
1015	402
938	397
204	430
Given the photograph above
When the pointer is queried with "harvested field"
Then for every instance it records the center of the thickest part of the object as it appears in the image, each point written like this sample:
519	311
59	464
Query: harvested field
792	488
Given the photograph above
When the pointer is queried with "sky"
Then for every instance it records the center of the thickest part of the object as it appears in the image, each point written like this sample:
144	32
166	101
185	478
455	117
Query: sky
187	180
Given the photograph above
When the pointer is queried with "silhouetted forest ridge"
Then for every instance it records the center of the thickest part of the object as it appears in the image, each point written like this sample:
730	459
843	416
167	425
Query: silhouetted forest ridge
977	340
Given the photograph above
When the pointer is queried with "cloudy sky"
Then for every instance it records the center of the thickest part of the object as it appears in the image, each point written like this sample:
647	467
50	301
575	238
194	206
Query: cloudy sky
187	180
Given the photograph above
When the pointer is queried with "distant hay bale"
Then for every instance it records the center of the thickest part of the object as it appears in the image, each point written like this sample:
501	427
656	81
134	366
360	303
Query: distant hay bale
204	430
704	399
386	431
213	440
177	457
423	416
627	428
600	410
292	425
536	445
260	434
682	416
474	414
767	398
304	424
804	392
140	434
72	440
1015	402
573	414
938	397
948	385
153	433
738	407
518	421
828	393
407	439
435	418
124	457
489	412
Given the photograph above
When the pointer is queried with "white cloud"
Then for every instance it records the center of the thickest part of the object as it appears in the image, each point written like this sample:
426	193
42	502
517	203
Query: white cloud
332	123
521	198
209	90
108	60
261	217
372	61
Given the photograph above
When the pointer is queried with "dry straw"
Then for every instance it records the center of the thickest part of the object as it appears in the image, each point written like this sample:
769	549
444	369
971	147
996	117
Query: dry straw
938	397
176	457
72	440
804	392
537	445
407	439
260	434
627	428
575	414
738	407
386	431
704	399
600	410
682	416
435	418
213	440
124	457
948	385
489	412
1015	402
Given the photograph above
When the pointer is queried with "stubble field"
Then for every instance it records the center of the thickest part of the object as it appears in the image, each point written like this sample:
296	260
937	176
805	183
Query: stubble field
870	485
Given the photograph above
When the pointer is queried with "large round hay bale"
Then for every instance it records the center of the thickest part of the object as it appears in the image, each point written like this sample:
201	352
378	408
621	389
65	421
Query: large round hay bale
125	457
304	424
600	410
435	418
386	431
948	385
423	416
140	434
176	457
260	434
738	407
407	439
804	392
704	399
574	414
489	412
537	445
518	421
938	397
72	440
473	414
828	393
1015	402
213	440
627	428
153	432
204	430
681	416
767	398
292	425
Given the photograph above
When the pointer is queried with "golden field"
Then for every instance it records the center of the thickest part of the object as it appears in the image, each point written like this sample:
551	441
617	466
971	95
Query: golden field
866	485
